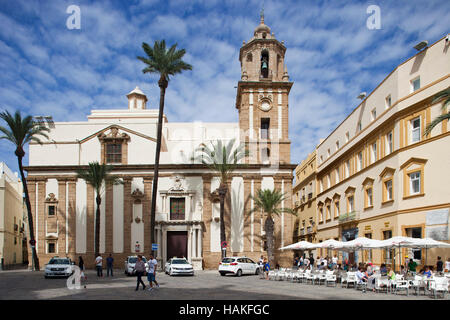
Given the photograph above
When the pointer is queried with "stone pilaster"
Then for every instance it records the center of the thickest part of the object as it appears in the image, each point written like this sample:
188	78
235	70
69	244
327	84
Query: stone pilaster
40	239
71	216
127	214
247	215
62	216
109	221
257	245
91	207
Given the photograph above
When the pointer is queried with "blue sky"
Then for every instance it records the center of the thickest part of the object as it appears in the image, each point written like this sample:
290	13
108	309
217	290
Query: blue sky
47	69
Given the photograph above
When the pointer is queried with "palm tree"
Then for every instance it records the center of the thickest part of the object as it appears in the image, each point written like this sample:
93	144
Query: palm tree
165	62
96	174
223	159
443	95
269	201
21	131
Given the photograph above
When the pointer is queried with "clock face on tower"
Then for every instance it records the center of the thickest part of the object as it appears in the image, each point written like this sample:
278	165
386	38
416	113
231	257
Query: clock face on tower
265	105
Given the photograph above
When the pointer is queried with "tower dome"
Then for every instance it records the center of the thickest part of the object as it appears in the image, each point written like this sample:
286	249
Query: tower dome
262	29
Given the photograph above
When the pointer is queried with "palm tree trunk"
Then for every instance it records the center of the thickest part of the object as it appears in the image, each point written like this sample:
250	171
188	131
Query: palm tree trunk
269	229
162	85
223	237
97	225
30	216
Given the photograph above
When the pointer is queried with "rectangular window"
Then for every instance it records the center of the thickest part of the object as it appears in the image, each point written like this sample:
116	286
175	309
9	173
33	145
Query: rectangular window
336	174
389	143
374	153
321	215
114	153
336	209
347	136
328	212
177	208
415	233
265	125
374	114
347	168
415	130
388	253
369	197
359	126
51	247
388	101
360	161
388	188
351	204
51	210
337	145
415	84
328	153
328	181
414	179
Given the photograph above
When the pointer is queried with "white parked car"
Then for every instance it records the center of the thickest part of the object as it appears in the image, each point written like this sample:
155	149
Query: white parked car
130	263
59	267
176	266
238	266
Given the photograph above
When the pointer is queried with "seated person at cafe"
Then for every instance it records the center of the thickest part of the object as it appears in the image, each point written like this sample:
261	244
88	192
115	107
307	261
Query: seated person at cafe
383	269
361	276
428	272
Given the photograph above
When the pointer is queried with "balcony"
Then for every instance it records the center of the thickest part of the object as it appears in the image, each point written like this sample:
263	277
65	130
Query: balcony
349	217
309	196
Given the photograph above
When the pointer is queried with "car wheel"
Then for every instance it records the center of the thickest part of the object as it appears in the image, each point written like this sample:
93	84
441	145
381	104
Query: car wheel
45	277
170	272
222	274
239	273
257	271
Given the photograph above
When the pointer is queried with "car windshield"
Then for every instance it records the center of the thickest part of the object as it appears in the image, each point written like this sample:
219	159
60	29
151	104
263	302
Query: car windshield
227	260
180	261
59	261
134	259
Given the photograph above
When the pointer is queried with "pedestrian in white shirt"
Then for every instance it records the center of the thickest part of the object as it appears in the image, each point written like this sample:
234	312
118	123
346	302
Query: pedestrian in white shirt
151	272
99	265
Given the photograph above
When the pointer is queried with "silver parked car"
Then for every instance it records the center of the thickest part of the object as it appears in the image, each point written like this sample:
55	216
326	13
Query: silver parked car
130	263
179	266
59	267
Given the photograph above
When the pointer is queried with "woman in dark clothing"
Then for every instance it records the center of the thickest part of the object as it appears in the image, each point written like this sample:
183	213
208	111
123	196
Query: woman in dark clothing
139	267
81	263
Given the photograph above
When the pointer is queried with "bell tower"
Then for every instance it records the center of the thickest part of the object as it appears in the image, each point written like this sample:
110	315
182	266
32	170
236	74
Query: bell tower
262	98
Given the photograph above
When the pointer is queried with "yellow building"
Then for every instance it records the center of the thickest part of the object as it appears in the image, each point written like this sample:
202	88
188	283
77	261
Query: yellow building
378	175
12	230
304	196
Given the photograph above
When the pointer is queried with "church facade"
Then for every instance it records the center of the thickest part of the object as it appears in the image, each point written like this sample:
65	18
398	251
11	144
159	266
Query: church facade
187	210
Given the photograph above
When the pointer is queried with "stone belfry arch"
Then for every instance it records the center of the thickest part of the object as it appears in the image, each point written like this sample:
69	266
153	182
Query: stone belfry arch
262	98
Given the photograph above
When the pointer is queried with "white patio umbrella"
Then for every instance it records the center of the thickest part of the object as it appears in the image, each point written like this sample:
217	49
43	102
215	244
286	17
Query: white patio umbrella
360	244
427	243
301	245
398	242
329	244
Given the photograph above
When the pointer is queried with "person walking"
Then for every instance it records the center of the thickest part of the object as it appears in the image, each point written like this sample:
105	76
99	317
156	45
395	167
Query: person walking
266	268
81	263
139	268
99	265
151	272
109	265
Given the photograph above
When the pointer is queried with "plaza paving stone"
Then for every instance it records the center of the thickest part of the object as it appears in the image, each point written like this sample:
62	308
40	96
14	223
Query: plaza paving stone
205	285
